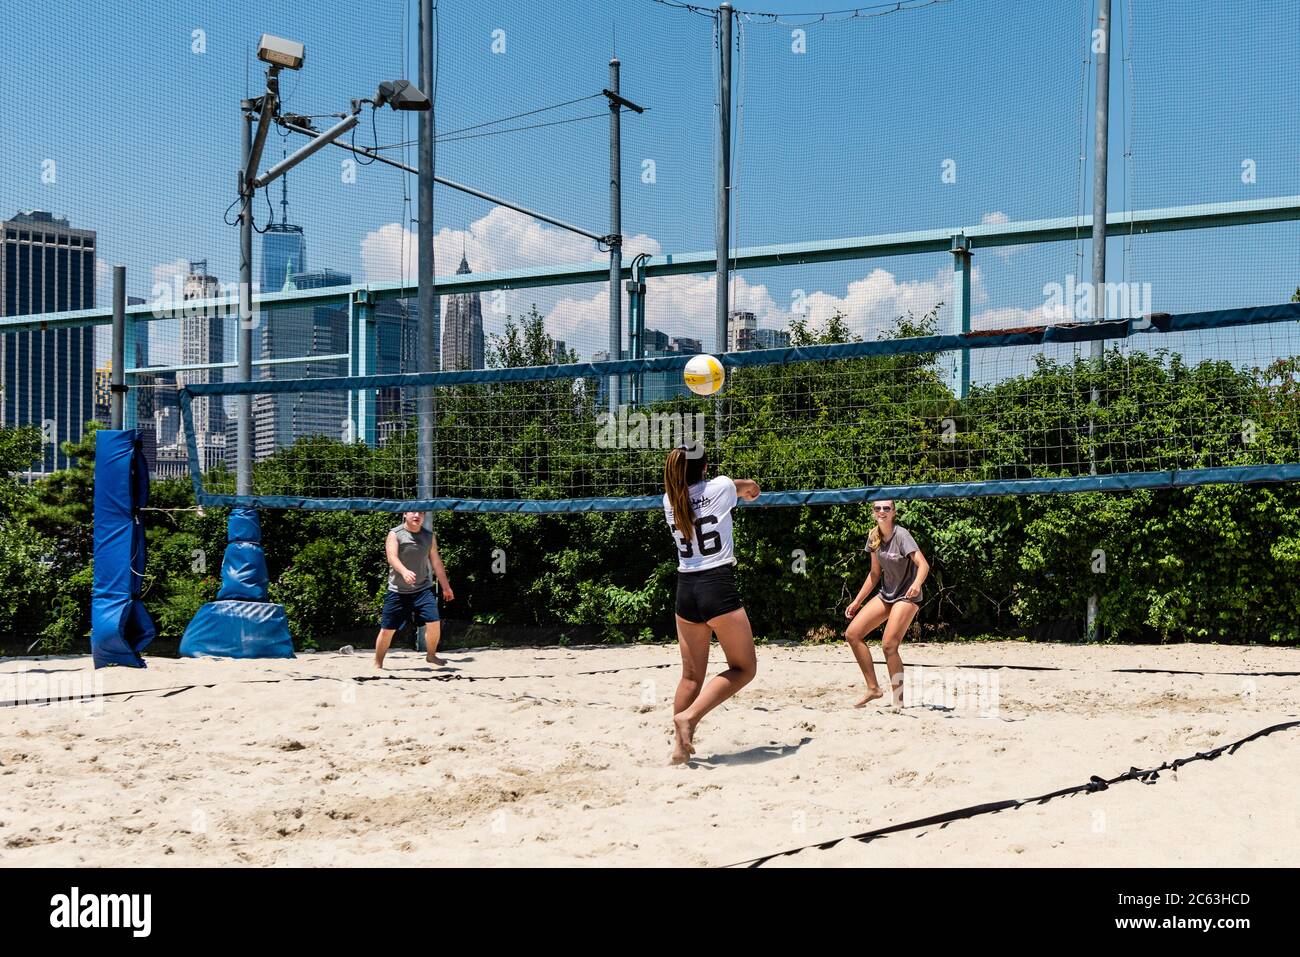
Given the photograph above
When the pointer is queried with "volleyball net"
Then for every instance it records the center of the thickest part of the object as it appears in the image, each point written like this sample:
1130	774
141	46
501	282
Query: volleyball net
1166	401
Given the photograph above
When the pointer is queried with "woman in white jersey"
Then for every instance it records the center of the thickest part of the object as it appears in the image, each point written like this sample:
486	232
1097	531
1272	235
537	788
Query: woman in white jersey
699	514
900	569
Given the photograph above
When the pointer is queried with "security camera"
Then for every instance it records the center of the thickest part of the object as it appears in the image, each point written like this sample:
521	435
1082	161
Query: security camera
278	51
401	95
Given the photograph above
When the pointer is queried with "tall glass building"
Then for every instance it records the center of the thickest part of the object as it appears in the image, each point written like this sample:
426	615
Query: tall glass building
280	419
47	266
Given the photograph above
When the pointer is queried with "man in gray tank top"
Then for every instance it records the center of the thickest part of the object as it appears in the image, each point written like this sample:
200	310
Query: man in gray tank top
413	563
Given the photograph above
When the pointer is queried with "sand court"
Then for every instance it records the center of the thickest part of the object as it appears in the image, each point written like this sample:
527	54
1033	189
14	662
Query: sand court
559	756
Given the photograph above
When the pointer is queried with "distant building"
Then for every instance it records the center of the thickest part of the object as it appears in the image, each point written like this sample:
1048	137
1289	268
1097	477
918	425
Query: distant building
396	351
203	341
741	331
284	247
48	375
282	418
173	462
743	334
104	392
462	328
772	338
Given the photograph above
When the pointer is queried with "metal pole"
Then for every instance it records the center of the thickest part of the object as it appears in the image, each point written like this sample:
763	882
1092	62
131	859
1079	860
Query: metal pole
723	224
1099	183
615	235
428	328
117	396
244	341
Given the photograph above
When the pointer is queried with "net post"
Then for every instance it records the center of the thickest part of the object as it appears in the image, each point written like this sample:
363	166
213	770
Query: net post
1100	156
961	251
244	346
117	393
361	351
722	225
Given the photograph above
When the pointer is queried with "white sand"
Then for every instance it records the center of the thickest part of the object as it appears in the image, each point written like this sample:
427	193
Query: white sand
571	768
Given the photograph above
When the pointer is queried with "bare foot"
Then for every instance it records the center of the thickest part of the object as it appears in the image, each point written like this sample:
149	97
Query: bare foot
871	695
683	735
435	660
379	665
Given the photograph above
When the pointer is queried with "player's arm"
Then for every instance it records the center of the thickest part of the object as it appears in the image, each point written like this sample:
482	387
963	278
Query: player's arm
873	576
922	572
390	549
436	561
746	489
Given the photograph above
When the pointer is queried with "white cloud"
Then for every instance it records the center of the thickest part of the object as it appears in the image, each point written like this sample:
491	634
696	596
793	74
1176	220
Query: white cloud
997	218
167	272
504	240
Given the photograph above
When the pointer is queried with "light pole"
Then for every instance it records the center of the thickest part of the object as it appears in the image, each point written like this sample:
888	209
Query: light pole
280	54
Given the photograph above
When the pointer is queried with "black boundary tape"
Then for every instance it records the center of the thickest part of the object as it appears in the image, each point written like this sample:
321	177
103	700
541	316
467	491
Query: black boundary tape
170	692
181	689
1095	783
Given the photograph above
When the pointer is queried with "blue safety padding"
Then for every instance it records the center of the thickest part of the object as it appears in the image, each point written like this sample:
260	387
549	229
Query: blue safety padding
243	526
243	572
238	629
120	626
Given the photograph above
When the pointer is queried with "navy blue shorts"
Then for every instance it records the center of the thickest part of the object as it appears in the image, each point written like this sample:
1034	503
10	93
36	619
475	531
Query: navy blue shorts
416	607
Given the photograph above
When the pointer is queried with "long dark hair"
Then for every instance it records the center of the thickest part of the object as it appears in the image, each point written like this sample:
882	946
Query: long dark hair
682	469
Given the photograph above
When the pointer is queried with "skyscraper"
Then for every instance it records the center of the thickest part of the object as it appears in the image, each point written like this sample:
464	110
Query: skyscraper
203	341
47	266
741	329
462	328
281	418
284	248
396	351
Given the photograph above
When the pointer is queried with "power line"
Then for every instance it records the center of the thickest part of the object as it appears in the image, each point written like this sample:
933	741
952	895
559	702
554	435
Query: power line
504	119
829	16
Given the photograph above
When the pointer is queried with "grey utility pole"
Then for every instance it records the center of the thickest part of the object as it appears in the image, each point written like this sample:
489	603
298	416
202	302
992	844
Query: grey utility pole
429	325
723	225
244	339
1100	152
615	234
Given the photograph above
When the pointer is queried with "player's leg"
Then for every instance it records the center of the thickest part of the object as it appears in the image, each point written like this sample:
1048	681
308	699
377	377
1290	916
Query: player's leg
391	618
737	640
381	645
426	613
693	640
901	614
869	617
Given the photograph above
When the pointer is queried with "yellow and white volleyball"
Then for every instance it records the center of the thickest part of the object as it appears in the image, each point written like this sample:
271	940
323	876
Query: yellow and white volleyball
704	374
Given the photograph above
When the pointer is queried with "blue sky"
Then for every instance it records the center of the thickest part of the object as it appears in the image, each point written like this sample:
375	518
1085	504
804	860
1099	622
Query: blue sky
847	136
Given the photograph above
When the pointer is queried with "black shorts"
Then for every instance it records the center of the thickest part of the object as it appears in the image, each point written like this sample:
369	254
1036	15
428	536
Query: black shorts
703	596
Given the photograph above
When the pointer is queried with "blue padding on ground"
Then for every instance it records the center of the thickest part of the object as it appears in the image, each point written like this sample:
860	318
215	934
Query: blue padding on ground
238	629
241	623
120	627
243	526
243	572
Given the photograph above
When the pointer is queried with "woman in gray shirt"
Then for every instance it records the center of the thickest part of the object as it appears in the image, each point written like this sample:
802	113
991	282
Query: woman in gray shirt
900	569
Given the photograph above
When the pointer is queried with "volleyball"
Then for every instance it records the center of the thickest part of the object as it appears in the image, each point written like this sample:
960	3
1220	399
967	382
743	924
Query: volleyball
704	374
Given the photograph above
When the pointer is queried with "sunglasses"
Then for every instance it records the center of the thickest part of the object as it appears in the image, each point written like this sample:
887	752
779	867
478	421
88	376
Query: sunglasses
882	508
